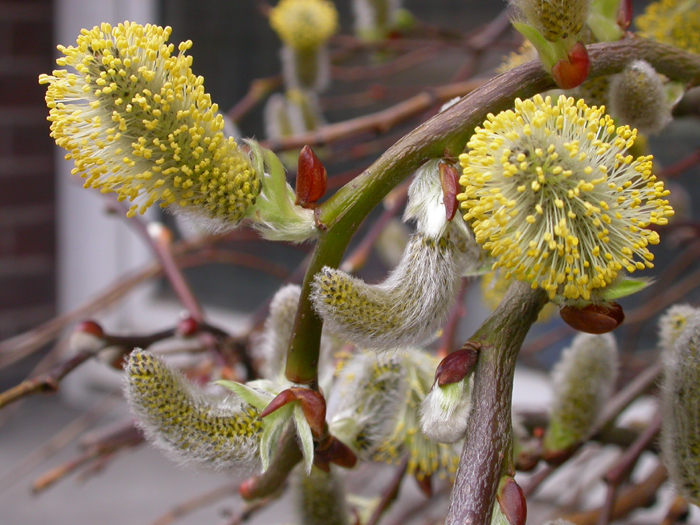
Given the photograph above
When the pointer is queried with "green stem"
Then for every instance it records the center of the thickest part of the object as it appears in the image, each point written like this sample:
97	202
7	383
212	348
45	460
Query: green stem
487	452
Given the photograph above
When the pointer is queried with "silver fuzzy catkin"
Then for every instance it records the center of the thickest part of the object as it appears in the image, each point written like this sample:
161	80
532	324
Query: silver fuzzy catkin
445	410
278	330
320	499
638	98
672	324
680	400
583	381
407	309
190	426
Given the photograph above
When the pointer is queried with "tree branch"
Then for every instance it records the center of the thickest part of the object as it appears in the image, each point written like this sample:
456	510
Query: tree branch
485	456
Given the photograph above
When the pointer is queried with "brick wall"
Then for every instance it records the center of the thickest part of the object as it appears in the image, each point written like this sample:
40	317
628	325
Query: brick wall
27	192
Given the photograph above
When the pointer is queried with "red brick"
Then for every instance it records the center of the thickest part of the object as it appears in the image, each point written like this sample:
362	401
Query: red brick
18	191
32	38
21	90
35	239
27	290
32	140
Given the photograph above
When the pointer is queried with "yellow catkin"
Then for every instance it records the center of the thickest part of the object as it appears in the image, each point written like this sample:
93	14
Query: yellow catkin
187	424
135	120
555	19
552	193
675	22
304	25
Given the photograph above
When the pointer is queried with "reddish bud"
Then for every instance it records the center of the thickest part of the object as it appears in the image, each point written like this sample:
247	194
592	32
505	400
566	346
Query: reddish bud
283	398
312	179
512	501
449	179
314	406
335	452
425	485
594	318
247	489
526	461
187	327
92	328
625	14
456	366
571	73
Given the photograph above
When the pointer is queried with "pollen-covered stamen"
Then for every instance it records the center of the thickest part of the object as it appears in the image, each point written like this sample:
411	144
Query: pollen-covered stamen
674	22
551	192
137	121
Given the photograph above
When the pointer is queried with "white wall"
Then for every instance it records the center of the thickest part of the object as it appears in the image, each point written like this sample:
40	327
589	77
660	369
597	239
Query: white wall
93	248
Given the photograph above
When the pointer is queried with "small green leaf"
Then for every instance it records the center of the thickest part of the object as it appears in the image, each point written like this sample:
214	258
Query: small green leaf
548	55
624	288
273	425
255	398
305	437
674	92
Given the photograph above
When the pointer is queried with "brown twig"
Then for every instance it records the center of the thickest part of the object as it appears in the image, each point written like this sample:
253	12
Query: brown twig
682	165
358	257
381	121
449	332
632	498
250	510
127	438
160	244
678	509
624	466
390	493
47	382
196	503
259	89
57	442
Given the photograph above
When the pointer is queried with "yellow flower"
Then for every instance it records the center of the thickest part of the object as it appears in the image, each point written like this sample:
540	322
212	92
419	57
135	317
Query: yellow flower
304	24
136	120
551	192
675	22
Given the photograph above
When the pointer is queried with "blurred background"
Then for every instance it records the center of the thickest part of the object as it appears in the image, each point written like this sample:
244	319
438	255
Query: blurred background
59	248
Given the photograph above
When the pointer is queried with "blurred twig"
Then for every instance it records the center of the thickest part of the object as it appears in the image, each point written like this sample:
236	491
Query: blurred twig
196	503
390	493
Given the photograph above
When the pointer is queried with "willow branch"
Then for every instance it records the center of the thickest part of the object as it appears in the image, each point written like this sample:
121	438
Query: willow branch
630	499
485	454
196	503
444	134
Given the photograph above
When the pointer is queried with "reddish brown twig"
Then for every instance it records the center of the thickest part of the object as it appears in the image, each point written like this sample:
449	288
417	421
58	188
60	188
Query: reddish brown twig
57	442
160	244
632	498
381	121
678	509
390	493
624	466
128	437
250	510
682	165
257	92
196	503
358	257
447	341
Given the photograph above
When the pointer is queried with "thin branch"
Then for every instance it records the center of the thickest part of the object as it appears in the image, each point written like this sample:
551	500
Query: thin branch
632	498
623	467
257	92
677	168
128	438
485	454
250	510
381	121
162	249
390	493
196	503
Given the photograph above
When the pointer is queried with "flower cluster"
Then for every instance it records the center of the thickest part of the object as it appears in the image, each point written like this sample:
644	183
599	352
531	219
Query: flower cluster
551	192
304	24
377	411
675	22
137	121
